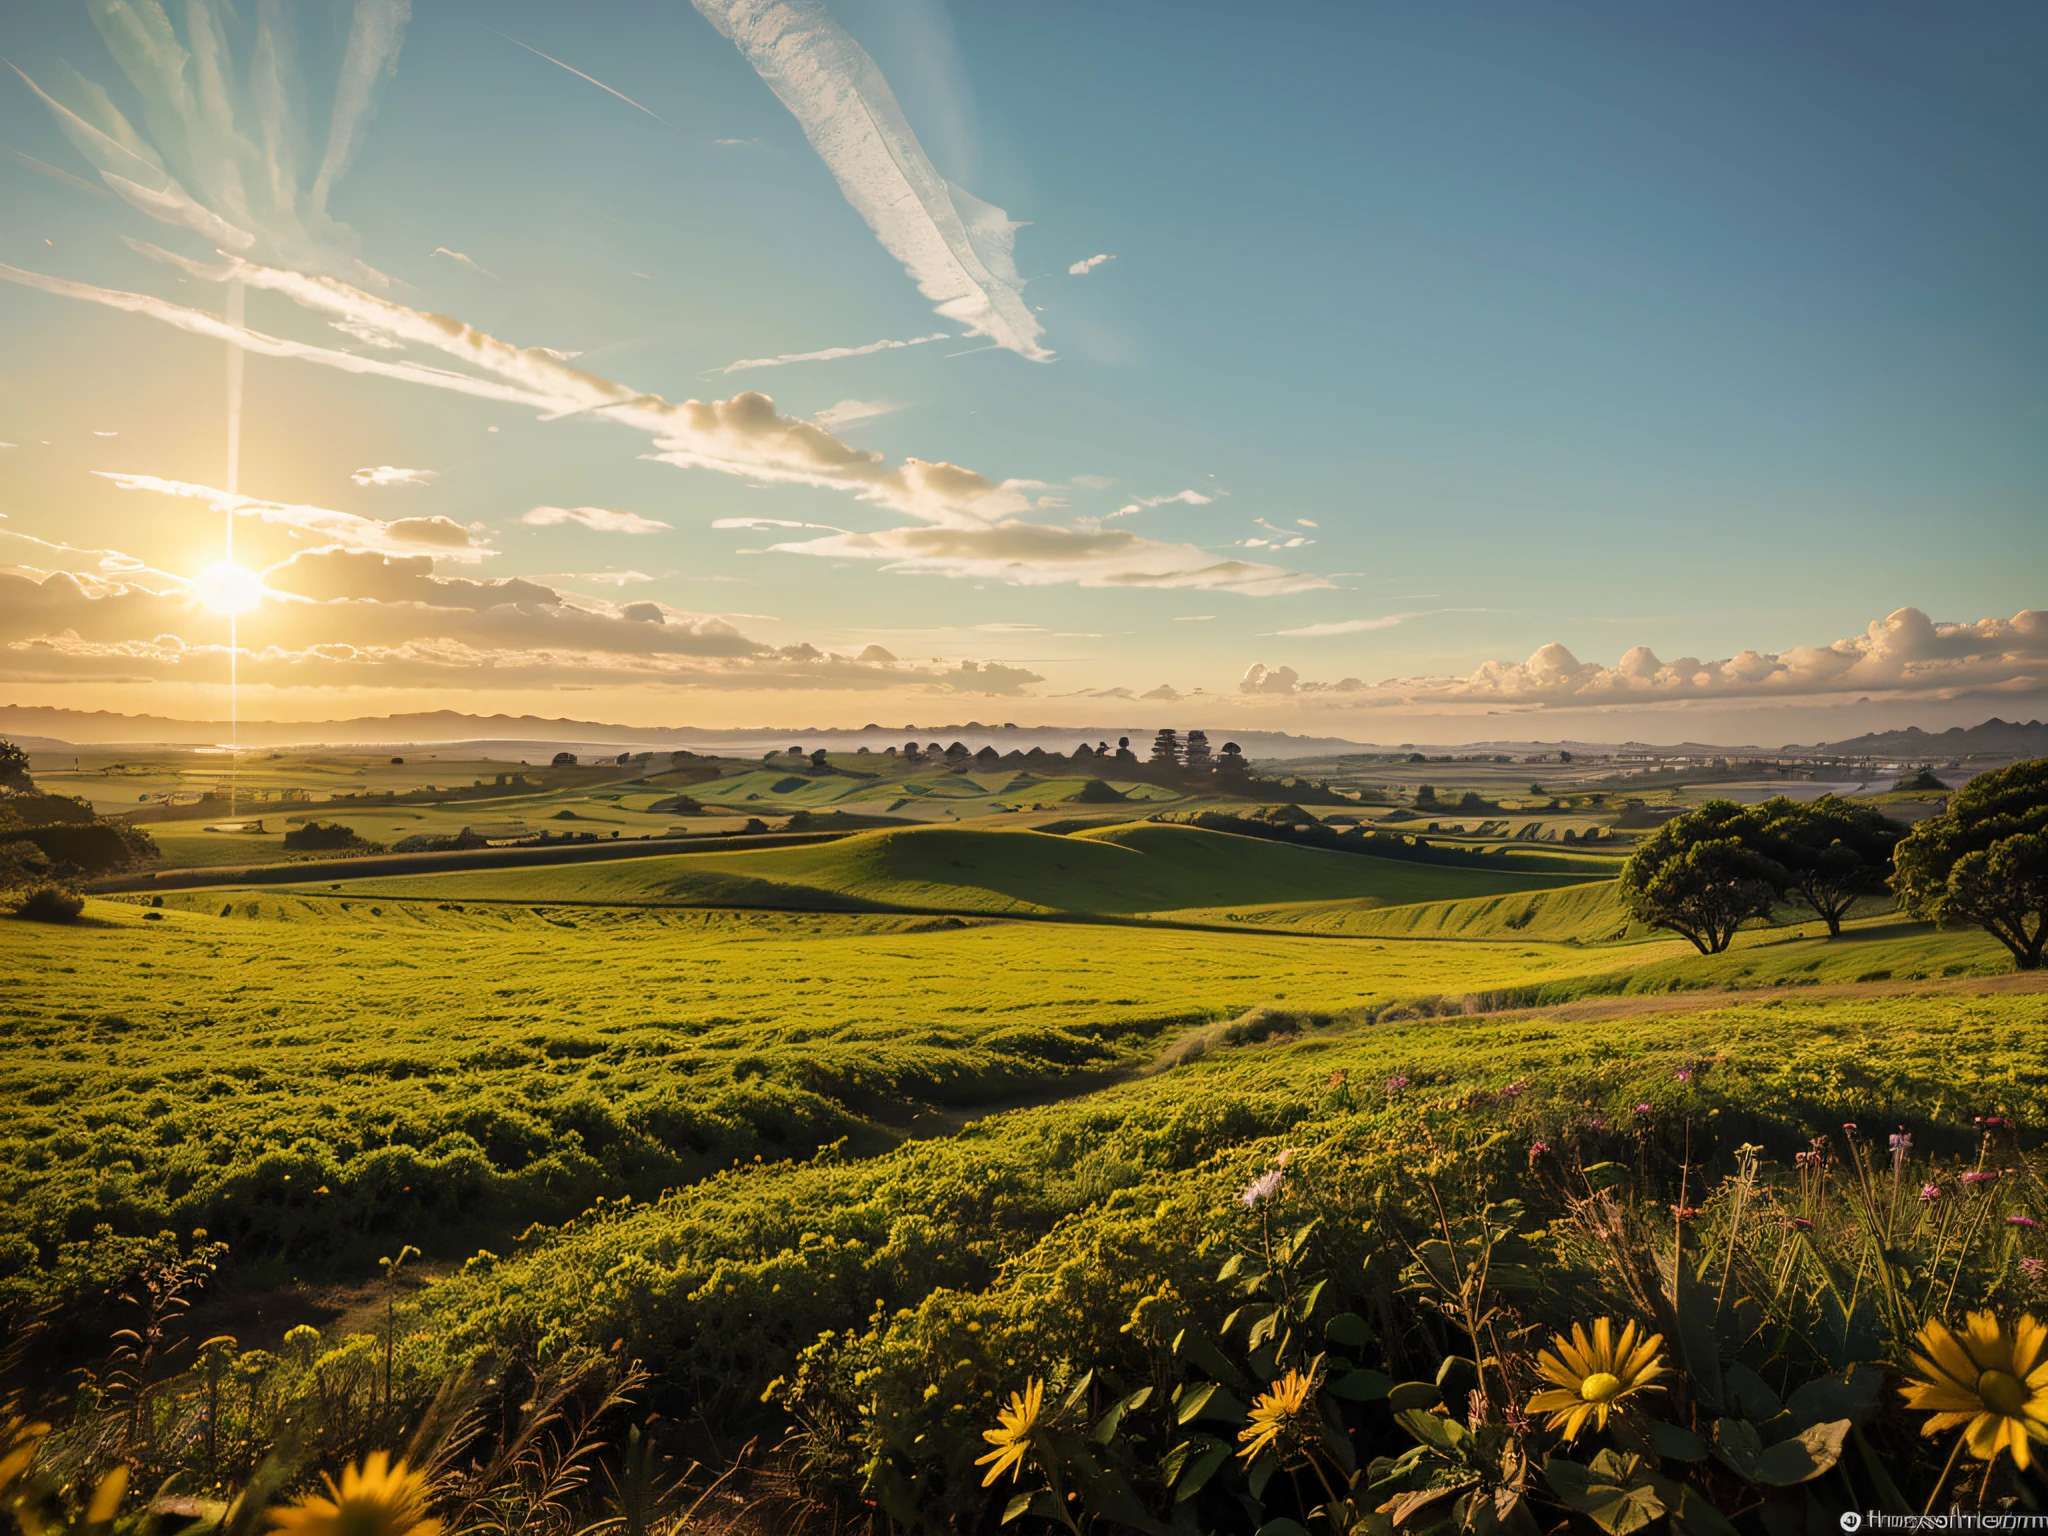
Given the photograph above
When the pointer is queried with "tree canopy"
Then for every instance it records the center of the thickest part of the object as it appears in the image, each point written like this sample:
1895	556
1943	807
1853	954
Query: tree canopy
1985	861
1701	875
1833	850
14	766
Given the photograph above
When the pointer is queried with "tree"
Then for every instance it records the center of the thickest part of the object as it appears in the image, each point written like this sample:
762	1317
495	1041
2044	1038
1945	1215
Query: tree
1702	876
1166	749
1425	798
1985	861
1230	761
14	767
1834	850
1196	754
1124	754
564	760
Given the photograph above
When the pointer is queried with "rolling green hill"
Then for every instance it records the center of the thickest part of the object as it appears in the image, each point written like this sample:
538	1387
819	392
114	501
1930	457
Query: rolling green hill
1133	868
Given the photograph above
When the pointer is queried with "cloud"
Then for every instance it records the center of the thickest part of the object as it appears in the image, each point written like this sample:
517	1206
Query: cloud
1083	268
1165	691
1259	678
351	618
222	157
629	101
849	412
597	519
389	474
468	261
831	354
1038	554
1905	655
978	528
438	536
1193	618
1347	626
43	167
958	249
1186	498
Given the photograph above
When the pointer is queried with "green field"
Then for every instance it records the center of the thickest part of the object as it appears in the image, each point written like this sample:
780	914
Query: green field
1120	869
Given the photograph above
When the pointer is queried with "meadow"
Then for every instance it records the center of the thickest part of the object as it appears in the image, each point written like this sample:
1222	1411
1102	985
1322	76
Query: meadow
831	1147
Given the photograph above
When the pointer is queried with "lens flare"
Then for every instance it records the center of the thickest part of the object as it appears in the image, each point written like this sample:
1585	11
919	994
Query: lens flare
225	587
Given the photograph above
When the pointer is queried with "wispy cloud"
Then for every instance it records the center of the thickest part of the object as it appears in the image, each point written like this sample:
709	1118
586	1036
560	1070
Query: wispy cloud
596	519
468	261
958	249
1143	503
977	527
391	474
441	537
1083	268
629	101
831	354
1348	626
849	412
1193	618
44	167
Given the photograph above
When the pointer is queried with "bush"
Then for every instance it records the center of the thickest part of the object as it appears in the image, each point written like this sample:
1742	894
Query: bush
49	904
322	837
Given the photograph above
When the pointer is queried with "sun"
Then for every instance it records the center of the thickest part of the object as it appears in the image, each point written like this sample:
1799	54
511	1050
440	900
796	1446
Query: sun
225	587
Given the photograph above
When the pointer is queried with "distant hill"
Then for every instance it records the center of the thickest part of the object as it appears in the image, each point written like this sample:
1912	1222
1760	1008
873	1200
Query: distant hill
1994	738
74	727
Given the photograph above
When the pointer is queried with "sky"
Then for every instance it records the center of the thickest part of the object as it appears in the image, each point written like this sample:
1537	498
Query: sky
1387	372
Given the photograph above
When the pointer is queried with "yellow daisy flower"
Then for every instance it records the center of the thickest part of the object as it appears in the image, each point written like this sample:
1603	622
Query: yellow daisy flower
1015	1425
1992	1380
1273	1413
1593	1375
380	1498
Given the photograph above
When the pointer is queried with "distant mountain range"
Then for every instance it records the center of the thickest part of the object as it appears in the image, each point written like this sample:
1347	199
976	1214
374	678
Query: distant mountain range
1994	738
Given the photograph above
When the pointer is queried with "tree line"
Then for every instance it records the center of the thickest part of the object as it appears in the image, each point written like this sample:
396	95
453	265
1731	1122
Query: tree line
1982	862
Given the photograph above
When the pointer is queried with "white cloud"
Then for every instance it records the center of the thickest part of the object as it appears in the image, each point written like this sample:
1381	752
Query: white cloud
629	101
441	537
43	167
958	249
1308	523
391	474
1165	691
1904	655
1193	618
849	412
596	519
978	530
1083	268
831	354
468	261
1347	626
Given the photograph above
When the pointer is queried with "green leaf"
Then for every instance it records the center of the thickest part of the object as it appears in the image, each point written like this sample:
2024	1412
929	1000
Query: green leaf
1264	1329
1678	1442
1441	1434
1456	1377
1193	1346
1606	1175
1230	1267
1310	1297
1349	1330
1200	1470
1749	1396
1112	1420
1283	1527
1361	1386
1016	1507
1413	1394
1691	1514
1739	1446
1804	1457
1078	1394
1615	1491
1850	1394
1189	1402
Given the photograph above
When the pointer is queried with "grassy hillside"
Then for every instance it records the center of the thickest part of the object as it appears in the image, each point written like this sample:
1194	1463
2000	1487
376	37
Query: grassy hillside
1589	912
1136	868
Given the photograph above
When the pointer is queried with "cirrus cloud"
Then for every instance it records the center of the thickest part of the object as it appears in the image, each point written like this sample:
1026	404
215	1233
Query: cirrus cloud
596	519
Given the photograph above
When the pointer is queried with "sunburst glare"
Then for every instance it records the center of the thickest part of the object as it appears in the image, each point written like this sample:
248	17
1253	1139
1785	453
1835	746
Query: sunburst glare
225	587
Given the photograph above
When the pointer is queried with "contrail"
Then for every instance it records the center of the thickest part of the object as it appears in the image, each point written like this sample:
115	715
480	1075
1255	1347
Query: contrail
629	101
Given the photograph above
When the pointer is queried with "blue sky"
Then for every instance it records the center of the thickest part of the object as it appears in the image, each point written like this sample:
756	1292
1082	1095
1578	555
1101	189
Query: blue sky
1717	333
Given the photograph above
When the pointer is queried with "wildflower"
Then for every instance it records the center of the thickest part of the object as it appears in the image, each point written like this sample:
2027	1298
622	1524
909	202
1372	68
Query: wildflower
379	1498
1929	1193
1273	1413
1798	1224
1685	1212
1514	1090
2021	1221
1992	1381
1592	1376
1980	1176
1397	1082
1848	1127
1015	1425
1994	1122
1264	1187
2034	1269
1642	1109
1901	1143
1337	1079
1537	1149
1595	1123
1683	1074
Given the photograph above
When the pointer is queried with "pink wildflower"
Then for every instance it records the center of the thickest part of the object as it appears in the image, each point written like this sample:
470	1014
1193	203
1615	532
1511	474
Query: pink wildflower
1929	1193
2021	1221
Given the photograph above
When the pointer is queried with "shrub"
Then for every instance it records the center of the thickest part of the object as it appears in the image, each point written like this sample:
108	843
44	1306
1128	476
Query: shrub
49	904
317	837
